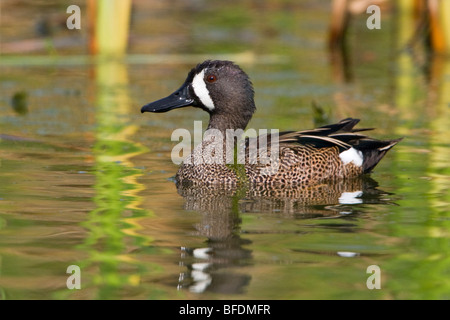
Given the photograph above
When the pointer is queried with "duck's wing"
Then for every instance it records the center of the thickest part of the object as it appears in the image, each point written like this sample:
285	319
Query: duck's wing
341	135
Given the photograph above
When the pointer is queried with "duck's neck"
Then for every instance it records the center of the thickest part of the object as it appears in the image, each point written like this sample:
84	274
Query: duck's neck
230	119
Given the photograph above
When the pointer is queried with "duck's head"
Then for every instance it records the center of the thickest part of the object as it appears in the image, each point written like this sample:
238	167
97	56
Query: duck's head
220	88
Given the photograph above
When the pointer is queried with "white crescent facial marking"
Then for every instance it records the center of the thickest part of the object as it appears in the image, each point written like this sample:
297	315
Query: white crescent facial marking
352	155
201	91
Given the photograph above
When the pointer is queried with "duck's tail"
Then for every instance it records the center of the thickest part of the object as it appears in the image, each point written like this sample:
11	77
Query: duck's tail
373	151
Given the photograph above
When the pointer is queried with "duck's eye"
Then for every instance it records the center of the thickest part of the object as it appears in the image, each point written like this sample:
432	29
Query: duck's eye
211	78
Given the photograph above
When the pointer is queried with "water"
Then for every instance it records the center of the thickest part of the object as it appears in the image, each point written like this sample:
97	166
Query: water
87	180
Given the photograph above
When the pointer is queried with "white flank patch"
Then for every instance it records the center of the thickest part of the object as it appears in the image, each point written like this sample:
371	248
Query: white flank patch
352	155
201	91
351	197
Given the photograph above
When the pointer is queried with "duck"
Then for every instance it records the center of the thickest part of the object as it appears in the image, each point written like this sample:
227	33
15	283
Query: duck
221	88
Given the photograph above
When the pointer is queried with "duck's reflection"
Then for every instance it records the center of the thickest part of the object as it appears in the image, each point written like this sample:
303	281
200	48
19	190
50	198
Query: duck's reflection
211	268
220	224
321	200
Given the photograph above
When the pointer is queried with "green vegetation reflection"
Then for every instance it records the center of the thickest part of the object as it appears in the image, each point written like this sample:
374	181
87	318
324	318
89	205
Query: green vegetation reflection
113	225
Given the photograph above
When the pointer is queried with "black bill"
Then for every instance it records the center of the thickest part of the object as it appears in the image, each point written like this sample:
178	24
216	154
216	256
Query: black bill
178	99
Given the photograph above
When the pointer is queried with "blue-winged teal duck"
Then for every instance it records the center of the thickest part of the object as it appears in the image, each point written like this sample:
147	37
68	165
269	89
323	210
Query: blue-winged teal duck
223	90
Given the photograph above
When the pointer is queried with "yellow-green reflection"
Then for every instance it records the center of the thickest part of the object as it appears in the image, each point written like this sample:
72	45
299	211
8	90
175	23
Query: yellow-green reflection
116	186
407	76
434	244
420	270
440	153
112	226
